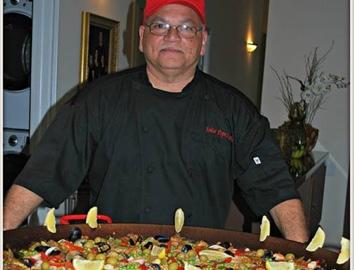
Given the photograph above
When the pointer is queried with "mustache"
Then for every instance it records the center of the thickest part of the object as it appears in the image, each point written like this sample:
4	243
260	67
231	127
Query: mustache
171	47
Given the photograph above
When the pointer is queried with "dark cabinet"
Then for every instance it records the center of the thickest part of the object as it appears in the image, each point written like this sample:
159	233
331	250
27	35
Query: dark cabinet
311	192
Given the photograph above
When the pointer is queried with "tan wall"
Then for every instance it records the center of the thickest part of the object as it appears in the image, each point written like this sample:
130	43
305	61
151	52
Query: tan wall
232	22
70	36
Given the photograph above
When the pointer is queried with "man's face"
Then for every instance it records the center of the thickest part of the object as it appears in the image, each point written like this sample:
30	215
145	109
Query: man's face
172	51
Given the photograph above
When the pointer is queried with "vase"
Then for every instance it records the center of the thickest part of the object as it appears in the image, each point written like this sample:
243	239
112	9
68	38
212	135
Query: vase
311	137
284	132
296	140
292	135
300	166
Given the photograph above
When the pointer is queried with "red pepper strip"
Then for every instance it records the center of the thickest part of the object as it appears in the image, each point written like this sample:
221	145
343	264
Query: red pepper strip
72	247
143	267
61	264
180	268
228	260
302	263
124	244
168	247
45	257
239	252
198	249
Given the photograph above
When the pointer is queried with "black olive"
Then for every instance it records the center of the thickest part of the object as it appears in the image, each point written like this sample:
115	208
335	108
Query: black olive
127	256
41	248
162	238
229	268
54	252
268	254
225	244
156	266
140	239
75	234
27	262
131	242
148	245
229	252
18	254
186	248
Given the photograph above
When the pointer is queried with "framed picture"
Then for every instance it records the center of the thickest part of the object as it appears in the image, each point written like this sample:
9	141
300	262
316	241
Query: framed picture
99	46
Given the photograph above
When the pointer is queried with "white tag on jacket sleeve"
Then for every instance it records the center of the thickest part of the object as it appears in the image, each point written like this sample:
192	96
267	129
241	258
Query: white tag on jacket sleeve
257	160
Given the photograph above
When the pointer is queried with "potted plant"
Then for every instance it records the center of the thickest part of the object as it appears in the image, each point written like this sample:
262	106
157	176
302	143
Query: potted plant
302	100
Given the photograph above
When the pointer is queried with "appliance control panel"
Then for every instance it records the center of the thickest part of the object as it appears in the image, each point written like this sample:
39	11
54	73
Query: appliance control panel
14	141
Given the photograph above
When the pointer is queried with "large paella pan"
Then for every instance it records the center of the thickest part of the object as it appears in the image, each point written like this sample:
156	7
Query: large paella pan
163	235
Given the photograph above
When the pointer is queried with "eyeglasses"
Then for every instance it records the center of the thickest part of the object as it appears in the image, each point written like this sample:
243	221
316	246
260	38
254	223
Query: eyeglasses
184	30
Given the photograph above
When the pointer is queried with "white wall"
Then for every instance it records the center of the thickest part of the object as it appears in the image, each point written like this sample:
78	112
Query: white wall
70	36
295	27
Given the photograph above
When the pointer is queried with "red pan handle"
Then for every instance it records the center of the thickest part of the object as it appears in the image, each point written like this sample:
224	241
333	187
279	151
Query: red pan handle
67	218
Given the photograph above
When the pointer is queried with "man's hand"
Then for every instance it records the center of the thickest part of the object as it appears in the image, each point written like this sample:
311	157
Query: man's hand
19	203
290	218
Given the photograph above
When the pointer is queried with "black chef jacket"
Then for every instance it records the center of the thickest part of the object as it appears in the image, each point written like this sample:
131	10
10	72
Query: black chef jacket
147	152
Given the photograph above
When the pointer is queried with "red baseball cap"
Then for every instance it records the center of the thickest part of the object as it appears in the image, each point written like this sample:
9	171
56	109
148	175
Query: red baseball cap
154	5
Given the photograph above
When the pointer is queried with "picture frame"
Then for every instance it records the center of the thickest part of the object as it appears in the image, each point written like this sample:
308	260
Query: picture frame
99	46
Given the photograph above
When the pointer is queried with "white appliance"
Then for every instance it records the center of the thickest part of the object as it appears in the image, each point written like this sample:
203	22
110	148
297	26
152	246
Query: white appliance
17	29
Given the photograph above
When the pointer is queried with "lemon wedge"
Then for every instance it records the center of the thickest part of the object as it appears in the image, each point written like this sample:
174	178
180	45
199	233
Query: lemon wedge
162	254
158	251
279	265
214	255
179	220
91	218
49	221
265	229
317	241
188	266
80	264
344	252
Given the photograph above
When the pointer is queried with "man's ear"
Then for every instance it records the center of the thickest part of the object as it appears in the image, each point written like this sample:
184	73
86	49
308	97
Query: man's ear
204	42
141	36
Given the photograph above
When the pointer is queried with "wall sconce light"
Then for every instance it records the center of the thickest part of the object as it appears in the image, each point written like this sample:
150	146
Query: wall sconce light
251	46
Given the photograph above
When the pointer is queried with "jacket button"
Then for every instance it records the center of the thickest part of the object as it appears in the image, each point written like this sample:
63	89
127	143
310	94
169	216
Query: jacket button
150	169
145	129
147	210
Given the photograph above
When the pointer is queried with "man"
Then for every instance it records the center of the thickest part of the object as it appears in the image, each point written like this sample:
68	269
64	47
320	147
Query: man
160	137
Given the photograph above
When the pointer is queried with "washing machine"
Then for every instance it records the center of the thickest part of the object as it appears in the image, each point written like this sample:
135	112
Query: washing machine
17	48
17	41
